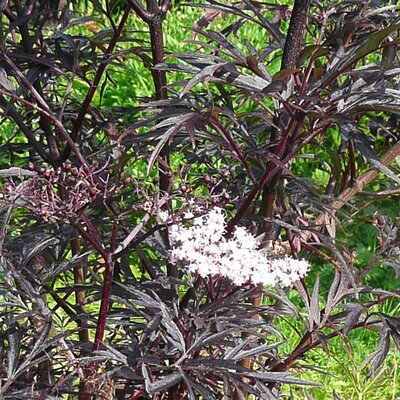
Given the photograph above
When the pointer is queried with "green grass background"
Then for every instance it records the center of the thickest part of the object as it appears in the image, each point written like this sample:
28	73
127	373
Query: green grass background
344	367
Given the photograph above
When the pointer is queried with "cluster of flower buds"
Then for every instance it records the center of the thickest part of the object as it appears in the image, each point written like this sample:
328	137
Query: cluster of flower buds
60	194
204	249
216	184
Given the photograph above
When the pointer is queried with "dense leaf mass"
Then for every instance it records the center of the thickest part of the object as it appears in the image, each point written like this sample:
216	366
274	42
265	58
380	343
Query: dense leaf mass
268	135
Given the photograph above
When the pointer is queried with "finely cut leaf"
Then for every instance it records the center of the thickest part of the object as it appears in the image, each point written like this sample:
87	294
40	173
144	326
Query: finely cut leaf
315	313
350	131
281	377
256	351
163	383
202	76
378	357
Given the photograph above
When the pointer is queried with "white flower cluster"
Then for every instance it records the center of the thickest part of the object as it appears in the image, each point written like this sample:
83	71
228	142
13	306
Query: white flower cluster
203	248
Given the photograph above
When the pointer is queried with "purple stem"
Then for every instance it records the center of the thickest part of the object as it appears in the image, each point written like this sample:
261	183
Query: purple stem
105	302
93	87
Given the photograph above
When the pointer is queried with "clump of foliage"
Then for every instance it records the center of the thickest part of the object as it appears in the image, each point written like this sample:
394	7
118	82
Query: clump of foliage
286	132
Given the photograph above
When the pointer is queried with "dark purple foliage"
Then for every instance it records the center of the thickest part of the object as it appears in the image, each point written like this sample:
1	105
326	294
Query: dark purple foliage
81	220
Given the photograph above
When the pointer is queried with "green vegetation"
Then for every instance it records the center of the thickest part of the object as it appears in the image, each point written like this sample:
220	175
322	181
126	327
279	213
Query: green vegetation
91	302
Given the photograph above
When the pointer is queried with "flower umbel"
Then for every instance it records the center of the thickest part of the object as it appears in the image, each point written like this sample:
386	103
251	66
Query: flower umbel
203	248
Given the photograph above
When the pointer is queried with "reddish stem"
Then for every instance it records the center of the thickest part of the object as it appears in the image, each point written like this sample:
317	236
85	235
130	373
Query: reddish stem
106	294
93	87
235	146
105	302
